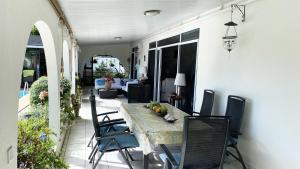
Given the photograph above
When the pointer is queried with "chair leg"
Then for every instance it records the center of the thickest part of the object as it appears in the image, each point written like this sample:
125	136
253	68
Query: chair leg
167	164
123	155
91	140
93	156
98	160
239	158
130	156
102	153
92	152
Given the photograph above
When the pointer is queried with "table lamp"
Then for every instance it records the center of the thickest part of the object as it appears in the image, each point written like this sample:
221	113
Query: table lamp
143	71
180	81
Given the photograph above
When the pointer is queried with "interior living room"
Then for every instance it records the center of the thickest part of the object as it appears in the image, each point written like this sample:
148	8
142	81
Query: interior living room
146	84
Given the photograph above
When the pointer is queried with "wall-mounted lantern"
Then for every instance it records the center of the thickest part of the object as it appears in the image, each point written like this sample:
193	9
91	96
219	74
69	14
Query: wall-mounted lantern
230	38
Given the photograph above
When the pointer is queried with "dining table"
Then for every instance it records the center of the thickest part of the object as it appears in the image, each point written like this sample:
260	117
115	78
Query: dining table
151	130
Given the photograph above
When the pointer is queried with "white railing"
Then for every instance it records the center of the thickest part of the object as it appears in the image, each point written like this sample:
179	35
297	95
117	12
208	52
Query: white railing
26	88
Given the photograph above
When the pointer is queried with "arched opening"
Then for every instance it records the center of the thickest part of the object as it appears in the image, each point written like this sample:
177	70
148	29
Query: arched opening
40	120
66	60
100	66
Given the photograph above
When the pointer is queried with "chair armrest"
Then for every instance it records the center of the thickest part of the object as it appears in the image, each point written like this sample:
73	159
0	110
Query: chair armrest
113	135
106	113
169	155
113	123
196	113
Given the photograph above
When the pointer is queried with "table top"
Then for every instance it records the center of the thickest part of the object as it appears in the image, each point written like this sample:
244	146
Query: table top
151	129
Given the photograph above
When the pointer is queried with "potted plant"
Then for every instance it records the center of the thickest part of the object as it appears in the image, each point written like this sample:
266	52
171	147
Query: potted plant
108	81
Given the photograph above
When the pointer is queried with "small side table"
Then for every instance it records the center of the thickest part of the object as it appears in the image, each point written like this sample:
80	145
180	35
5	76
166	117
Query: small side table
108	94
176	99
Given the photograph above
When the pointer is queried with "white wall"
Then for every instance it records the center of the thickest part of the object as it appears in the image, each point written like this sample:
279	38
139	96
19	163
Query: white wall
17	18
263	68
120	51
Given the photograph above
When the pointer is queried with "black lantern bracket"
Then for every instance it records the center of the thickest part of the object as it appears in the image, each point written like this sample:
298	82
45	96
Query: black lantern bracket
241	8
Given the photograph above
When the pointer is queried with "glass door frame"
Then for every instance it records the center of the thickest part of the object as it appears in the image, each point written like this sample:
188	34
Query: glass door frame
158	66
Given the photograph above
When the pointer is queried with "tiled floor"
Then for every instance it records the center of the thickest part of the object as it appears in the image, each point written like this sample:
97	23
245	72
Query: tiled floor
76	151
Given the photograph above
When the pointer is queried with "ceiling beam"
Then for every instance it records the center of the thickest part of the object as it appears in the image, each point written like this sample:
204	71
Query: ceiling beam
60	13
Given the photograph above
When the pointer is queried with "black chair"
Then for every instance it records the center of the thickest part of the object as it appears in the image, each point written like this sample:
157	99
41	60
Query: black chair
105	119
235	110
207	103
110	141
204	144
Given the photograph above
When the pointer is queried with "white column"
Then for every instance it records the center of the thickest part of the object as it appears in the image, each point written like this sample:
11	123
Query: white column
73	67
66	60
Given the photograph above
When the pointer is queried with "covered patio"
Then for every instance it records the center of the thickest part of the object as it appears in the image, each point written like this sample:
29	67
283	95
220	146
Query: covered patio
76	152
227	69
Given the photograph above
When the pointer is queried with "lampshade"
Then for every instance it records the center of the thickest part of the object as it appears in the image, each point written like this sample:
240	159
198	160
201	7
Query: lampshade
180	79
143	70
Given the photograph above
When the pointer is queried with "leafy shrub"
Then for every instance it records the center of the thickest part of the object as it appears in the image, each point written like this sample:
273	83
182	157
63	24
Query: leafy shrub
36	88
35	148
66	112
41	85
65	86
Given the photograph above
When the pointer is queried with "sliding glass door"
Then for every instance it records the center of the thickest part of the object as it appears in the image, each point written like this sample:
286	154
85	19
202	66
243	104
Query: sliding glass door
188	53
168	71
169	56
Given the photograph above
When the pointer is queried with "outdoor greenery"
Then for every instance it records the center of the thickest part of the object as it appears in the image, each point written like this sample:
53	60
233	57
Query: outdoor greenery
34	31
67	115
36	88
35	148
102	71
39	95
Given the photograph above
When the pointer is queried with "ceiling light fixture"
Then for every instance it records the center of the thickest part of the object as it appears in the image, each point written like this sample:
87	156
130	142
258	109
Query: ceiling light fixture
118	38
152	12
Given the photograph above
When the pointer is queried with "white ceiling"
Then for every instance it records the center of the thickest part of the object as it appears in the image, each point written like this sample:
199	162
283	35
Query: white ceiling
99	21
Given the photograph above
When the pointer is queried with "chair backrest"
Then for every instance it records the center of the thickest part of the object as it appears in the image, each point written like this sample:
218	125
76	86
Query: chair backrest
204	143
94	114
235	110
207	102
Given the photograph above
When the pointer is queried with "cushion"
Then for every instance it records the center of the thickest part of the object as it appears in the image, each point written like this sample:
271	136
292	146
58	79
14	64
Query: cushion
177	157
114	128
117	80
100	82
122	83
125	141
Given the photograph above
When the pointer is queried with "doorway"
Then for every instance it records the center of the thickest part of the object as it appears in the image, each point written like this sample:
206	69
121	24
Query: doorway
168	71
188	54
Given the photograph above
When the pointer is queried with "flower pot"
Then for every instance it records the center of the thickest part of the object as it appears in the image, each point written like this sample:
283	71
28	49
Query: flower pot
107	85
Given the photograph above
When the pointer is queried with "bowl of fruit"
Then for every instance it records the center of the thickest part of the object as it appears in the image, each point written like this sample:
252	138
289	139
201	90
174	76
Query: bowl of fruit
157	108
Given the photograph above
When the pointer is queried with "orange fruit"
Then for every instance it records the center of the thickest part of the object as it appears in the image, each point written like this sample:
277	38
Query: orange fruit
157	110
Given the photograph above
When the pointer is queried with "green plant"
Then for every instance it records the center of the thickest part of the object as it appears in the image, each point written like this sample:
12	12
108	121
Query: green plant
65	86
35	148
34	31
102	70
36	88
66	113
119	75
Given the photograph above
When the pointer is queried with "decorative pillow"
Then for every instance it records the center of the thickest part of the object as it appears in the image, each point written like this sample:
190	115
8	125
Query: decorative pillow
100	82
122	82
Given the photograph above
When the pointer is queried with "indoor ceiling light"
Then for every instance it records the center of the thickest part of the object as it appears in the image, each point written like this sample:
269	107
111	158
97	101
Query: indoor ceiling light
152	12
118	38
